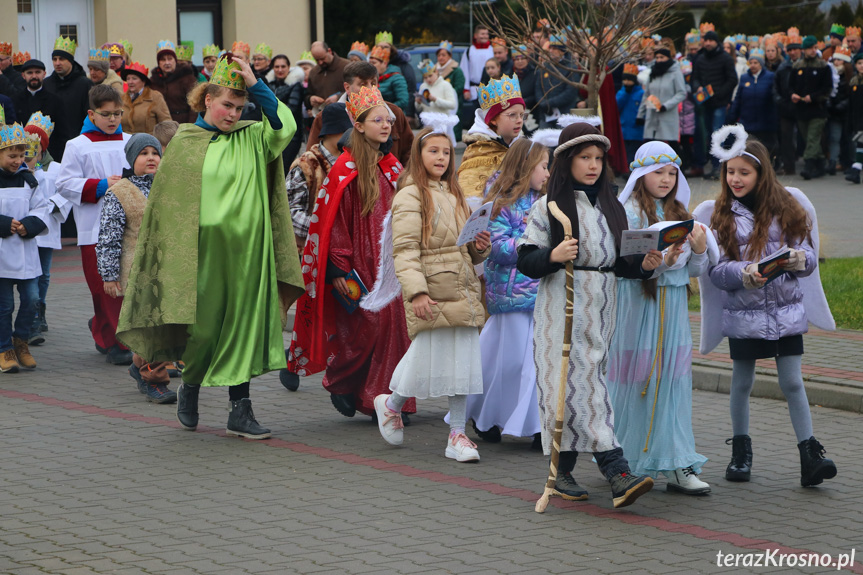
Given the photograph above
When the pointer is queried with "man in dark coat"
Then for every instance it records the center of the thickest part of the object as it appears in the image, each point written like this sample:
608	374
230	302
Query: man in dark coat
553	95
713	72
34	97
71	85
811	84
11	81
782	99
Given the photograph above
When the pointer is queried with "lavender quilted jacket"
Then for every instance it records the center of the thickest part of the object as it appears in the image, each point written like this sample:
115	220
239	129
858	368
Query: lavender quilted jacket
774	311
506	288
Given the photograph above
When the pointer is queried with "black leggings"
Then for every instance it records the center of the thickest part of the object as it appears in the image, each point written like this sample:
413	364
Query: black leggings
238	392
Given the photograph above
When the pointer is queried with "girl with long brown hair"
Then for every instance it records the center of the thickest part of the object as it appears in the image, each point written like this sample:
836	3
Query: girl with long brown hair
441	293
753	217
359	349
650	363
508	402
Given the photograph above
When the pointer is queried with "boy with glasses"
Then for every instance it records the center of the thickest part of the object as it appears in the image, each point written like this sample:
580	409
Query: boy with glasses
92	163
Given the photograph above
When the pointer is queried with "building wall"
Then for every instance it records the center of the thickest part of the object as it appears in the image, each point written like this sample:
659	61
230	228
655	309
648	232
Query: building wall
9	23
283	24
143	24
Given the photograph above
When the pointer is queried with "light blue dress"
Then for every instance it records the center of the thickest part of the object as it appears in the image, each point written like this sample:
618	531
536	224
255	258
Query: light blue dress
653	422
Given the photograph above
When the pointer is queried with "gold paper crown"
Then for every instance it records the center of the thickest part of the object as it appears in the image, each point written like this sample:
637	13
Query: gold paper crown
844	52
793	31
211	50
498	92
166	45
2	116
98	55
227	73
185	51
498	42
384	37
127	48
426	67
12	135
67	45
631	69
366	99
20	58
6	49
241	48
33	142
706	27
44	123
852	31
115	49
381	53
360	47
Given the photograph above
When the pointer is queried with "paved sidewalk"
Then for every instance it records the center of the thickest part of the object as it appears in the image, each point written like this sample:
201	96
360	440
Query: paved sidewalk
95	480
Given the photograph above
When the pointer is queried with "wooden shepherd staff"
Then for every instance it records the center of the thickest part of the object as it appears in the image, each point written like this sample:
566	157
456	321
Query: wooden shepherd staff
564	368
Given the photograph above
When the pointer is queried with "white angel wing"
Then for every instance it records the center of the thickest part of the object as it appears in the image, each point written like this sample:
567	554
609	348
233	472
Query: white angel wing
387	286
711	296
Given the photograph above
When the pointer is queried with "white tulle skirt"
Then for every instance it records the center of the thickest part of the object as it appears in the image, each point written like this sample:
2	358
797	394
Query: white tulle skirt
509	397
440	362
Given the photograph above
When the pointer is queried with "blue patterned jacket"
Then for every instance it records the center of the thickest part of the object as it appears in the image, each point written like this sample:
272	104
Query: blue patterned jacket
507	289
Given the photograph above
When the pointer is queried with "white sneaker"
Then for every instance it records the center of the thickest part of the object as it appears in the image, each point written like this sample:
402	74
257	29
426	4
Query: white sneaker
462	449
389	422
686	481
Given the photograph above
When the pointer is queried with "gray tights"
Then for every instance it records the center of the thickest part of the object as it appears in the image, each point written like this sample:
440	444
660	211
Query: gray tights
791	383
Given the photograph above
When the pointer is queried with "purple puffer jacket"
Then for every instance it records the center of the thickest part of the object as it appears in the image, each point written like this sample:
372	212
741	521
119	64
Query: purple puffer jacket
774	311
507	289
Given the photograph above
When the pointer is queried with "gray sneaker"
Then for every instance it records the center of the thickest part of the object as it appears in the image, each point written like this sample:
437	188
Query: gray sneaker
566	486
626	488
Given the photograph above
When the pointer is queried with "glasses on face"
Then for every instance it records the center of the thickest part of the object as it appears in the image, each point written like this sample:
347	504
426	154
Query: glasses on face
514	116
259	59
106	115
380	120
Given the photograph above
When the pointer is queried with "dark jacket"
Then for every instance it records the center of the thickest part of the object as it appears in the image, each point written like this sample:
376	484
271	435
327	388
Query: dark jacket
856	103
837	106
782	90
73	95
552	92
175	87
753	106
527	81
715	68
325	83
26	104
505	70
8	109
11	82
811	77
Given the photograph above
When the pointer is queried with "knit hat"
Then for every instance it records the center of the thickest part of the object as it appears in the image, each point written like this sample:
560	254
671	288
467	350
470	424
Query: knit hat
65	48
809	42
99	59
335	120
857	56
360	50
757	55
711	35
137	143
794	43
664	51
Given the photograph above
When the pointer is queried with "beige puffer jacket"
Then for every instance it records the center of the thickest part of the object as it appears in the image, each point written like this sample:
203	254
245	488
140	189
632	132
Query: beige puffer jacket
444	271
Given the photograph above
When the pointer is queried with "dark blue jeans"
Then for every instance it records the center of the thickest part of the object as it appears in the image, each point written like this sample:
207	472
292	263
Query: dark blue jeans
28	293
46	255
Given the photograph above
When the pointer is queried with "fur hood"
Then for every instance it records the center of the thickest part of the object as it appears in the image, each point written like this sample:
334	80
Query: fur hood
296	74
809	63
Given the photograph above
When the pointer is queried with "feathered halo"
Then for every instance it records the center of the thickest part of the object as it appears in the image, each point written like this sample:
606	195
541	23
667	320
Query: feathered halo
722	149
438	122
548	137
568	119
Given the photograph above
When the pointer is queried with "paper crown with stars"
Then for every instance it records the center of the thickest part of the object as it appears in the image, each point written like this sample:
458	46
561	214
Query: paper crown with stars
6	49
115	49
706	27
842	53
166	46
381	53
241	48
426	67
360	47
185	51
367	98
67	45
852	31
127	48
384	37
41	126
445	45
499	92
210	51
99	55
264	50
33	143
12	135
227	73
19	58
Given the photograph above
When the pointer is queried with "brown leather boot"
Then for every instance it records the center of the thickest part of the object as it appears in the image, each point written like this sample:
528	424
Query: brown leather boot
9	362
22	350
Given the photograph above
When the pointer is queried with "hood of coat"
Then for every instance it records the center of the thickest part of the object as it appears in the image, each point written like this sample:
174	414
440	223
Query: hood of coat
77	72
295	74
182	70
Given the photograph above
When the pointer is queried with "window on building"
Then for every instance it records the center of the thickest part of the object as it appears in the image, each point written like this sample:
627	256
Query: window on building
69	31
25	6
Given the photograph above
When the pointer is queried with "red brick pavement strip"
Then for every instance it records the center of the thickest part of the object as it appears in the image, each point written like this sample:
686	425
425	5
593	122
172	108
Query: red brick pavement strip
437	477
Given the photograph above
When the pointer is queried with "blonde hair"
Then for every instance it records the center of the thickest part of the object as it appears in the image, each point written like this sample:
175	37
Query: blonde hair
516	169
366	158
164	131
197	98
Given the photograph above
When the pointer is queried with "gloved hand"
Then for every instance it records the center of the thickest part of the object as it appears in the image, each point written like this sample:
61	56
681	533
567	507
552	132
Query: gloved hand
796	261
750	280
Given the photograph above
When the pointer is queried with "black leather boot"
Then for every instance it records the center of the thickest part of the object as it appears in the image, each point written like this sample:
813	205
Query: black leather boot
242	422
187	406
289	379
814	467
818	170
808	169
740	467
344	403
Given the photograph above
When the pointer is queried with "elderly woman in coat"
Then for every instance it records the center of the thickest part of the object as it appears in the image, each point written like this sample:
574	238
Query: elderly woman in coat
143	107
665	89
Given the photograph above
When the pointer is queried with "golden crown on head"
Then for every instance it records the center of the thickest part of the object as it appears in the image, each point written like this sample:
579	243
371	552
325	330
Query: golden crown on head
498	42
360	47
67	45
6	49
211	50
366	99
185	51
852	31
384	37
381	53
630	69
706	27
793	31
498	92
127	48
227	73
12	135
42	122
241	48
33	143
20	58
115	49
99	55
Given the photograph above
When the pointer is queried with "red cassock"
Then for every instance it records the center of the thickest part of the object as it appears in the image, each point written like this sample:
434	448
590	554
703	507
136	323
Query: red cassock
359	350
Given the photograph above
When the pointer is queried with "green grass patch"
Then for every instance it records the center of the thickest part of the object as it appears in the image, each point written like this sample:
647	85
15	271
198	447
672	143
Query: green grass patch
843	284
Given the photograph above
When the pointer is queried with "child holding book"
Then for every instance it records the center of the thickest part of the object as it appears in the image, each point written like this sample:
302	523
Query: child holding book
753	216
508	402
581	185
441	293
650	363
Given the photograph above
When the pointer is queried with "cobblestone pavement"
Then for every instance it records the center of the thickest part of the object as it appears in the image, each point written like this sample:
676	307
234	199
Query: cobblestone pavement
93	479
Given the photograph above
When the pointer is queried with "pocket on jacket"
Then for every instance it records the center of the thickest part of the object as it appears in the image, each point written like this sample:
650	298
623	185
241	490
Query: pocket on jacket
443	281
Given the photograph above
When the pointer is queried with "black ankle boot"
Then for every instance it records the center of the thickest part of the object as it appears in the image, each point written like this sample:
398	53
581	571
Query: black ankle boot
740	467
242	422
187	406
853	175
814	467
808	169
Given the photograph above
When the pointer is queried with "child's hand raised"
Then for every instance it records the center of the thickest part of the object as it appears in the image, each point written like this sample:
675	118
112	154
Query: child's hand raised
482	241
651	260
698	239
247	73
566	251
422	306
